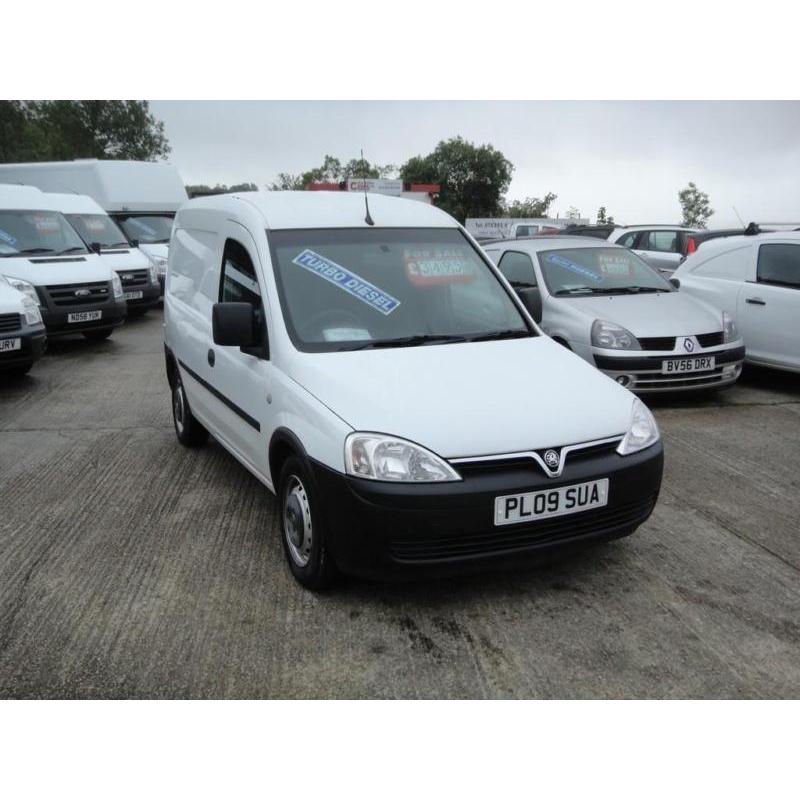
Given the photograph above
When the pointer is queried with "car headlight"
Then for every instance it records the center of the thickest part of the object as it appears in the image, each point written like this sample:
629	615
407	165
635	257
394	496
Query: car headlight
643	430
116	285
611	336
33	314
26	288
160	263
153	274
729	332
388	458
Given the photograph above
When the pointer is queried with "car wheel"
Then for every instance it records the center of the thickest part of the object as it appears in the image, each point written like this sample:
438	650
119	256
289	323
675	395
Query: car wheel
135	312
18	372
99	334
189	431
302	529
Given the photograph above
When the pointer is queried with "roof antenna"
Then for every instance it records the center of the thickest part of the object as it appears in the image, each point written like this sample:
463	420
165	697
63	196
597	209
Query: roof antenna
739	216
368	219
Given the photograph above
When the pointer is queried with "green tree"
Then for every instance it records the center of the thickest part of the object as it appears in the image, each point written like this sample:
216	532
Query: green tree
332	170
54	130
287	181
530	207
695	206
603	217
473	179
202	189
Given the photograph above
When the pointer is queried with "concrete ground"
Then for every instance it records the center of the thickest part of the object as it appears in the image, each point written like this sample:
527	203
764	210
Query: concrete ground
131	567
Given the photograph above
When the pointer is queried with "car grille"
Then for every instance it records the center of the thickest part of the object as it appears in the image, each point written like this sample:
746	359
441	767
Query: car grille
65	295
10	322
135	279
430	546
697	379
668	342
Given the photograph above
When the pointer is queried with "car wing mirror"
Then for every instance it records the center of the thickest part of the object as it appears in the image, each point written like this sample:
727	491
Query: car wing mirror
234	325
134	242
675	282
96	247
531	298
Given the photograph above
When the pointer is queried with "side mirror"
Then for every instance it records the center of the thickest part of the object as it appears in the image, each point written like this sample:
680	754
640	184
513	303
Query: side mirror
134	242
675	282
96	247
234	325
532	300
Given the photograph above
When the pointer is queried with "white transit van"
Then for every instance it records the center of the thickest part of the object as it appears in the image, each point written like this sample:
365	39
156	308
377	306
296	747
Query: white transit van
139	277
376	371
43	257
142	196
22	334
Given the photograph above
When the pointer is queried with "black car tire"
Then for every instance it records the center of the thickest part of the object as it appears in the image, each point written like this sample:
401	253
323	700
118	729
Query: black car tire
99	335
189	431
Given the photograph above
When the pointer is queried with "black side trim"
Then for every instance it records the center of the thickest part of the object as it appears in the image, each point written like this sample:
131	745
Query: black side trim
253	423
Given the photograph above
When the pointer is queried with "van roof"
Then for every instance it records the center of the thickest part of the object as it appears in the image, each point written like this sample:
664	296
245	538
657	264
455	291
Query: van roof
15	197
75	203
288	210
554	242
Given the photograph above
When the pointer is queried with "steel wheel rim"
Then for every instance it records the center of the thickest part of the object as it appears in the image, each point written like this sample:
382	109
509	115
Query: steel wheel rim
178	408
297	529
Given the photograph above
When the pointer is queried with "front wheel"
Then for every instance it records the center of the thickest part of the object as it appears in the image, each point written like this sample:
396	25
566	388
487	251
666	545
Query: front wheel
99	335
302	530
189	431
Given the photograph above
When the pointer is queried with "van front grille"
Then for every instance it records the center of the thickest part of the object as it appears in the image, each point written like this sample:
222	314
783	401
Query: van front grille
78	294
10	322
133	279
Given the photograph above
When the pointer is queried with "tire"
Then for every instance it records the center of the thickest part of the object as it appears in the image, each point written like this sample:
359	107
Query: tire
302	527
189	431
99	335
18	372
135	312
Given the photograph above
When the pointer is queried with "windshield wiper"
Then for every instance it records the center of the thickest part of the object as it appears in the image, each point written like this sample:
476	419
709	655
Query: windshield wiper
33	250
609	290
639	289
71	250
516	333
408	341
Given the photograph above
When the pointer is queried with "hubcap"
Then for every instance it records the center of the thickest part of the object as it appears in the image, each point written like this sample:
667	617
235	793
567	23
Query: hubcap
178	407
297	522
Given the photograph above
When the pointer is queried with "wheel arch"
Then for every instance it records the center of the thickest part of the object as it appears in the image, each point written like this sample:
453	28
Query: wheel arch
282	444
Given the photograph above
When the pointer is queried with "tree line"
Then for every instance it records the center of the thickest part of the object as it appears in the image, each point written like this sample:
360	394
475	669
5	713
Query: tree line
474	179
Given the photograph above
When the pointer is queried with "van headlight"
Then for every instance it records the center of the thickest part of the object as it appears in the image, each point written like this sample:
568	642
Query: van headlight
33	314
116	286
28	289
643	430
388	458
159	263
153	274
611	336
729	332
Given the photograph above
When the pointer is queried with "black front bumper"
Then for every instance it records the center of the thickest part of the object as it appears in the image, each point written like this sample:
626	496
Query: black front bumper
56	318
151	295
33	342
384	530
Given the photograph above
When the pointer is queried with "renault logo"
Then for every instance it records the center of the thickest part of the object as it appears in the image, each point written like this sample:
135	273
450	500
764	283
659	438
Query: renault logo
688	345
552	459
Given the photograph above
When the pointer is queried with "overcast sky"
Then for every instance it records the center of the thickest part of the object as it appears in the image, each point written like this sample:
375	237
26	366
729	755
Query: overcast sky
632	157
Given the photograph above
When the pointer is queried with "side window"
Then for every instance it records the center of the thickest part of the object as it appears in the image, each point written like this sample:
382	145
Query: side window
517	268
779	264
730	266
238	283
628	239
660	242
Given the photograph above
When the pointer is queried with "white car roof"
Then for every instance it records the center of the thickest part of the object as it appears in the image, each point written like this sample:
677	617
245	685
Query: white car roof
287	210
75	203
554	242
625	228
15	197
724	243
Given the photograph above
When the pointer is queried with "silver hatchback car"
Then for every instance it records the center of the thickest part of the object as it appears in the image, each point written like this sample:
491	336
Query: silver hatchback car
606	304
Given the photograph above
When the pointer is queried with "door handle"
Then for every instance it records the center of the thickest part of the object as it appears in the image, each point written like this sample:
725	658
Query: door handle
211	358
755	301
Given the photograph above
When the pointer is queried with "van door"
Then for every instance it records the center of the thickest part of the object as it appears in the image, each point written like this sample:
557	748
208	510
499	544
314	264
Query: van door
243	380
769	305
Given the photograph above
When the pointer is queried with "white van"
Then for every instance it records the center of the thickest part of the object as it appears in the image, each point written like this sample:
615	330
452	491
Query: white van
42	256
22	334
139	277
142	196
375	370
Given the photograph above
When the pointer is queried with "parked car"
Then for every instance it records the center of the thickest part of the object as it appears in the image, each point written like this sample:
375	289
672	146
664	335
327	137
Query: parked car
595	231
22	334
606	304
42	256
375	371
102	235
756	280
661	246
142	196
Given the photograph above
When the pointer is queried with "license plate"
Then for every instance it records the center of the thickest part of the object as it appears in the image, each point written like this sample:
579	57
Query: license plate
84	316
511	508
7	345
695	364
134	295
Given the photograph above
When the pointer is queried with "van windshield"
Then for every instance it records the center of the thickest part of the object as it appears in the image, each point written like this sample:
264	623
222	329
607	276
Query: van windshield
598	270
24	233
147	228
352	289
98	228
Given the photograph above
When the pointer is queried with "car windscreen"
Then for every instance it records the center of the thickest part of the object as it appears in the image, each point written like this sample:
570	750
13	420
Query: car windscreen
37	233
598	270
99	228
147	228
349	289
